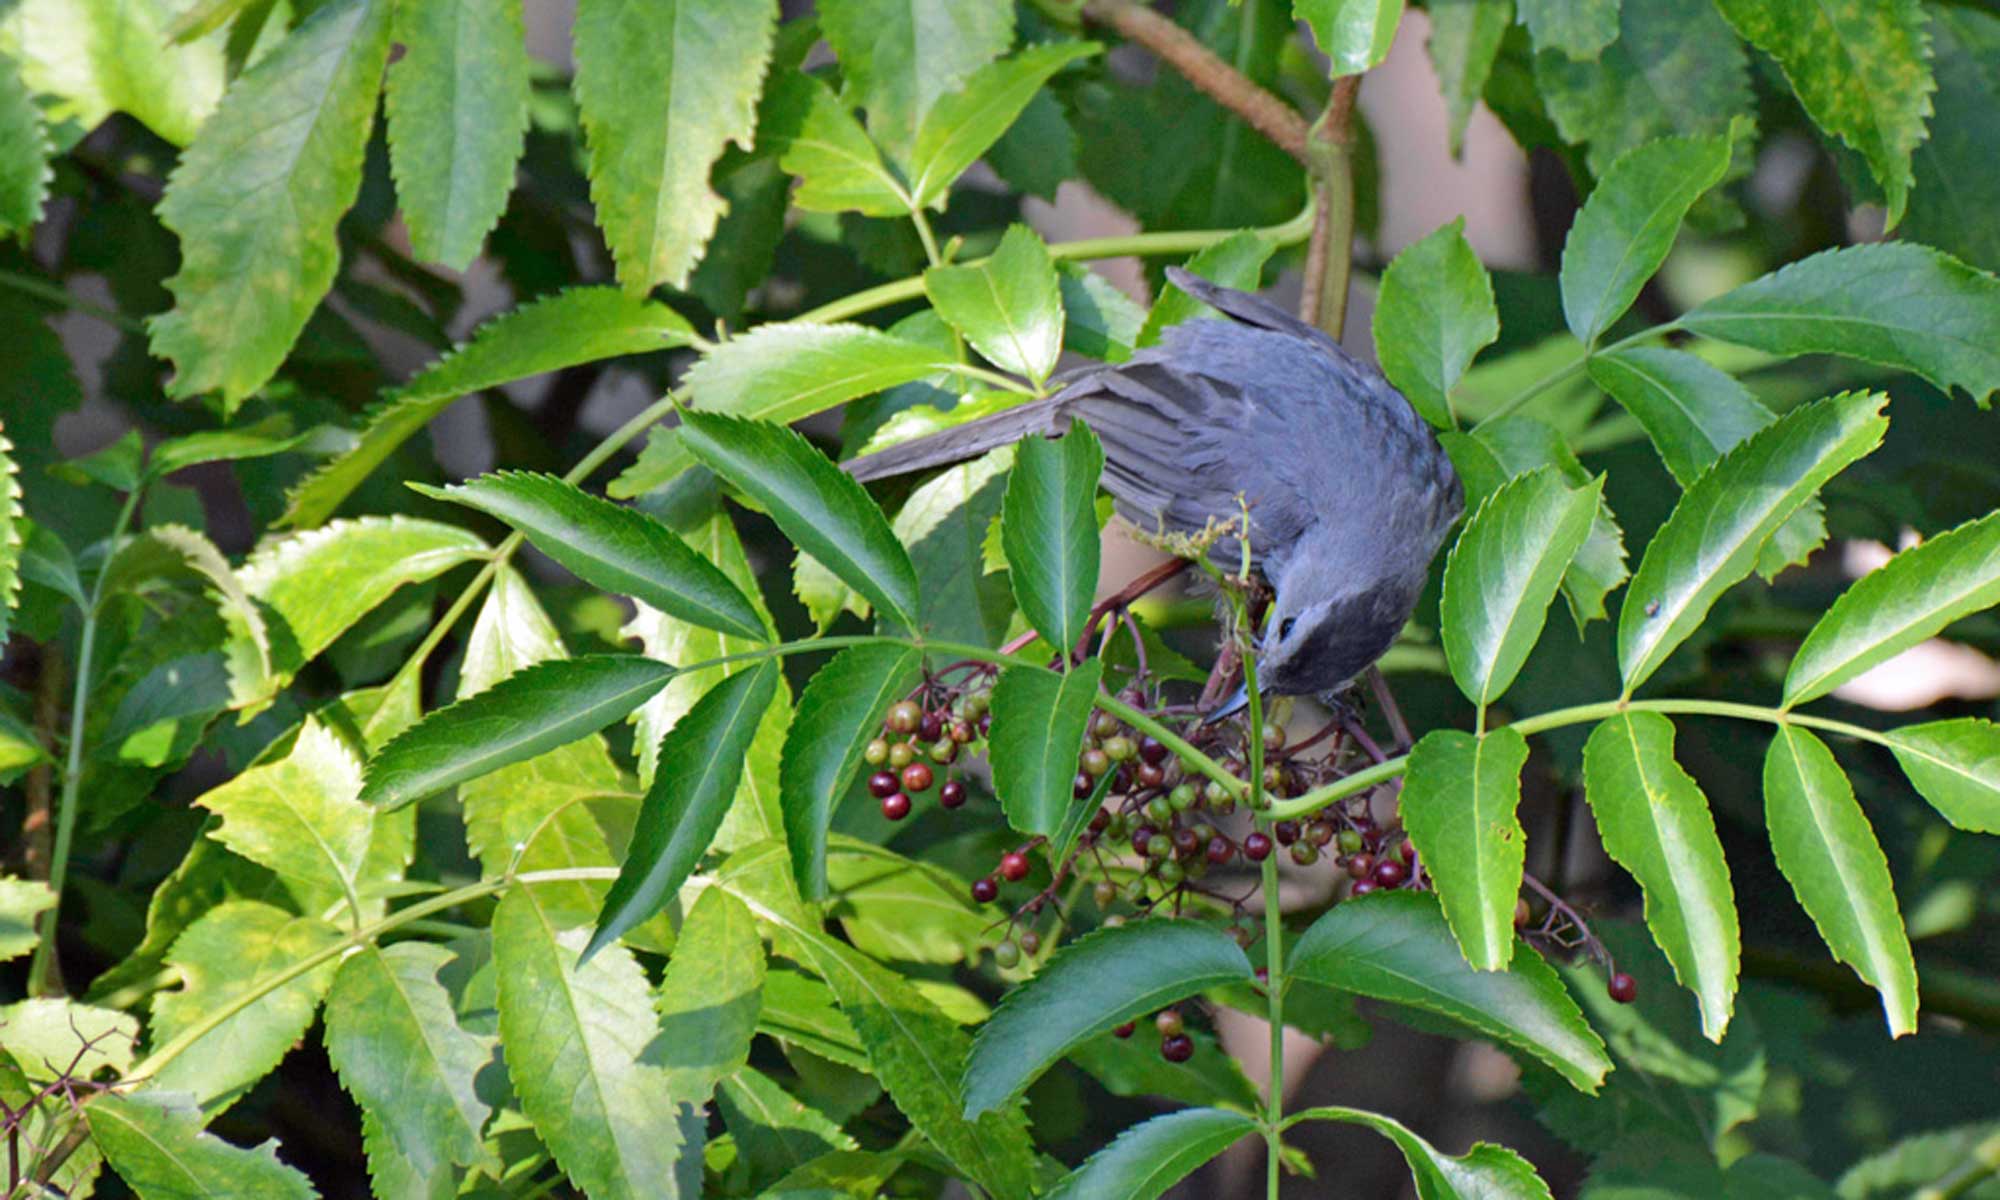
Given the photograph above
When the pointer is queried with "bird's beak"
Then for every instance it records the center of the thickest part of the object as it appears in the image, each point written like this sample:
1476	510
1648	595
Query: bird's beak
1228	708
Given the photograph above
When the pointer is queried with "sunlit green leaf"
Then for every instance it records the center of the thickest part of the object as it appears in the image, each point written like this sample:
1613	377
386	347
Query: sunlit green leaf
157	1146
1236	261
1625	229
22	901
901	908
1485	1172
900	56
1577	28
775	1133
169	550
1008	306
1435	312
301	817
50	1037
1353	34
87	57
1955	765
1147	1159
1100	321
839	168
1039	719
1048	527
961	125
24	154
1460	793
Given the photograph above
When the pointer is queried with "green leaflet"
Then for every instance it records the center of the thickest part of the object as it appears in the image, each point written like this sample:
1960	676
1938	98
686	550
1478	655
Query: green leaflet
1152	1156
22	901
1353	34
1008	306
96	59
900	56
1577	28
458	118
256	198
157	1146
1434	313
1955	765
1955	204
1485	1172
663	88
711	995
897	908
1039	718
1048	527
839	168
1459	799
1465	39
962	125
1099	321
24	154
776	1134
1236	261
168	550
300	817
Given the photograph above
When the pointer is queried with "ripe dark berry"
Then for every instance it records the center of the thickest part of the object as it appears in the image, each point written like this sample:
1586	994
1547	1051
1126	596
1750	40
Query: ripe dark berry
1177	1049
1150	776
1141	837
931	726
1361	866
1409	851
952	794
1623	988
1124	1031
1390	873
1100	821
985	891
1082	785
1286	832
917	777
1220	849
1152	750
882	784
904	716
895	806
1364	887
1185	842
1013	866
876	753
1256	847
1169	1022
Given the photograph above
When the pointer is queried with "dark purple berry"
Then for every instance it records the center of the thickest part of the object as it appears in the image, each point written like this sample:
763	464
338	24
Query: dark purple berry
1364	887
1286	832
1013	866
931	726
1152	750
1623	988
1256	847
1361	866
1141	836
1177	1049
1185	842
895	806
952	794
985	891
1390	873
1220	850
883	784
1150	776
1124	1031
1082	785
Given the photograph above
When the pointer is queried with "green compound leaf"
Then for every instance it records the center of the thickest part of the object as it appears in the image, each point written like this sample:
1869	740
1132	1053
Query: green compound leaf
24	154
89	60
458	118
711	994
839	710
1465	40
1691	410
1956	766
1485	1172
300	817
158	1147
1353	34
1008	306
1503	572
1955	204
1825	846
1858	67
1712	539
1154	1155
700	763
1907	601
839	169
1099	321
1624	231
663	89
964	124
819	507
1895	304
581	325
534	710
1655	823
1236	261
257	196
260	439
1048	527
902	909
1435	312
1460	794
1092	985
900	56
1395	946
1576	28
612	547
1039	718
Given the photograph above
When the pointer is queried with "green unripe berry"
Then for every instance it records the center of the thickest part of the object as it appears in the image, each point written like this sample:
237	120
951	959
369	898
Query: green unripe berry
1105	893
1120	748
1006	955
1095	763
901	755
1159	810
1170	873
876	753
1182	797
1350	841
1214	792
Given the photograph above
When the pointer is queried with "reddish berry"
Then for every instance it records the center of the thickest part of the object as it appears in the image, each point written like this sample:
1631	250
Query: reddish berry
1409	852
1364	887
952	794
1099	821
1220	850
1150	776
917	777
1256	847
959	731
985	891
1124	1031
1522	914
1152	750
1141	837
904	716
895	806
1013	866
1082	785
1390	873
1177	1049
931	726
1263	974
1623	988
1169	1022
1361	866
1031	942
1319	833
882	784
1185	842
1286	832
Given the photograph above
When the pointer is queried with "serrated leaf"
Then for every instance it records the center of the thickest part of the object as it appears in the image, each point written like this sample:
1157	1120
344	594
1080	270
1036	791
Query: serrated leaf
168	550
1955	203
260	439
1008	306
1692	411
1152	1156
1955	765
819	507
1712	539
662	90
839	168
457	118
710	997
1485	1172
1914	1162
1825	847
235	948
1502	573
1858	67
1037	154
799	1010
839	710
22	901
944	523
207	876
900	56
24	154
84	57
893	907
1091	985
1353	34
158	1147
299	816
52	1037
963	124
1039	718
258	249
1460	793
1236	261
580	325
1906	601
701	761
1395	946
532	711
46	560
612	547
1100	321
1465	39
1577	28
578	1041
775	1133
402	1053
1895	304
1435	312
1048	527
1133	1067
1655	823
1628	225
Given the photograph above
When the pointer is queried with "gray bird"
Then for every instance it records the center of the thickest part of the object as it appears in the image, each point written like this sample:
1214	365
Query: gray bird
1349	493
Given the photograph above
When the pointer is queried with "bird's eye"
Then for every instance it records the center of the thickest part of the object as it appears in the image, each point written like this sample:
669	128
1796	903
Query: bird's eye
1285	628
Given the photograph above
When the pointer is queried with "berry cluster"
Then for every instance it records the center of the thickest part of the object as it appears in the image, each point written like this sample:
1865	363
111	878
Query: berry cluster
912	735
1176	1046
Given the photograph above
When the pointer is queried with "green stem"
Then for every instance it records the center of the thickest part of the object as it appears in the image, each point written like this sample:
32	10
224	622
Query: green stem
43	964
925	235
1274	932
42	289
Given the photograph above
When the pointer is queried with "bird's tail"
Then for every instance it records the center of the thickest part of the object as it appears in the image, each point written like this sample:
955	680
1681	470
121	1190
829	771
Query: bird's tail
970	440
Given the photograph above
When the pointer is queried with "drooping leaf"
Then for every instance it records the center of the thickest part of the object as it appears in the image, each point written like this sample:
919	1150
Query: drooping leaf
839	710
24	154
1955	204
1629	223
1858	67
662	89
300	816
1008	306
458	117
1459	798
22	901
1093	984
963	124
1655	823
820	508
257	196
701	762
1154	1155
158	1147
839	168
1465	39
1039	718
1434	313
1503	572
1353	34
1911	597
1712	539
900	56
87	59
612	547
1577	28
580	325
1955	765
1485	1172
531	711
1395	946
1825	847
1896	304
1048	526
1099	321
